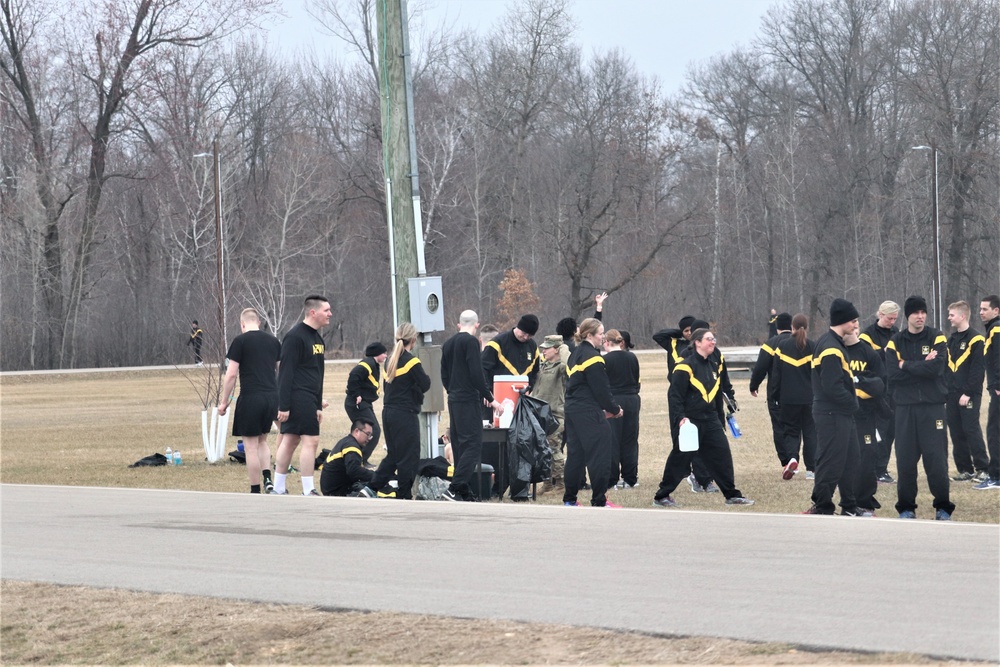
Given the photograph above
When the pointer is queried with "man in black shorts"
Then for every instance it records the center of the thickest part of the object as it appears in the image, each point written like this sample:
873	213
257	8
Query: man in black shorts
300	394
253	357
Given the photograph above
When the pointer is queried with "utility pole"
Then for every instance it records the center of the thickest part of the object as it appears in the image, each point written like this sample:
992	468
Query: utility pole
402	195
402	188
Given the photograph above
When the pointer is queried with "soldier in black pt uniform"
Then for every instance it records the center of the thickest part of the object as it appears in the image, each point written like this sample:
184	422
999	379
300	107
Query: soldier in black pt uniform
253	357
362	392
966	370
877	335
344	472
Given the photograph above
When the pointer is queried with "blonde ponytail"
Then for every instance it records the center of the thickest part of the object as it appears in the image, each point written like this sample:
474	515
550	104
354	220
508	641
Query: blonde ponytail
405	334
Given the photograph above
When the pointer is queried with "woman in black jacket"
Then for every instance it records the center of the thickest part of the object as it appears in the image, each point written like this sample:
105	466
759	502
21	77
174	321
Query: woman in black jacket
589	403
623	375
791	371
405	386
695	396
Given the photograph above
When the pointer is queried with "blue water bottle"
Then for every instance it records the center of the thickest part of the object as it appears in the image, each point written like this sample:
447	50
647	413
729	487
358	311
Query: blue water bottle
734	428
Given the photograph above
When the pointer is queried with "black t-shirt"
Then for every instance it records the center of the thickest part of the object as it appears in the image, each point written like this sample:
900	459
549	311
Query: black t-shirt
300	376
257	354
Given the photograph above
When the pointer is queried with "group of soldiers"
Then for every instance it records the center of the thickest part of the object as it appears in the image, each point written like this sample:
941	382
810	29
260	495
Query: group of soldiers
846	397
864	390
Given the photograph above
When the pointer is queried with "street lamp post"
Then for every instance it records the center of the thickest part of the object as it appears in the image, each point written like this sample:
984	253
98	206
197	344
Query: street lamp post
938	296
219	246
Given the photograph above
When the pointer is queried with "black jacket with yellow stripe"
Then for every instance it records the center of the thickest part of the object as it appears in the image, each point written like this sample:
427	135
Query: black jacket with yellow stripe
696	389
919	380
343	467
676	345
406	391
966	363
832	380
991	351
506	355
878	337
588	387
870	385
363	381
791	372
762	369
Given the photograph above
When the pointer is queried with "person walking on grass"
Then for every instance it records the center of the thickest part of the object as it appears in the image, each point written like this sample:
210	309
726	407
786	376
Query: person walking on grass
253	358
791	373
695	396
300	394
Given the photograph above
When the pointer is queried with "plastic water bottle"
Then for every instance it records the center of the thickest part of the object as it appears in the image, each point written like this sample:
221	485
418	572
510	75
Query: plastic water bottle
733	426
177	457
239	445
170	457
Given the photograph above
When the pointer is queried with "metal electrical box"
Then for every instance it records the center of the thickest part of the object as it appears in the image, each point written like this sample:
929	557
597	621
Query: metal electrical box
426	305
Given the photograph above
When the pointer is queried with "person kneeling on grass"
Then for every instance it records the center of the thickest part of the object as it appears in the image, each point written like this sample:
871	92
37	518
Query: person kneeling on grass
695	397
344	470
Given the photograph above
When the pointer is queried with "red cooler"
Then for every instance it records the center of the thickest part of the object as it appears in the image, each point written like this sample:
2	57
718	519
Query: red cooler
506	390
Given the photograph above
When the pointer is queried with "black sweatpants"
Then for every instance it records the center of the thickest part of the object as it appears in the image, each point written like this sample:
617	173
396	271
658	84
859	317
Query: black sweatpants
886	431
364	411
713	446
777	432
402	441
625	441
967	445
798	428
993	435
866	482
696	466
836	461
588	444
466	429
920	433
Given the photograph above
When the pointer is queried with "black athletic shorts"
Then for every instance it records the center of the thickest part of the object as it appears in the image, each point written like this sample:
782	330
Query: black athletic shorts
301	418
254	414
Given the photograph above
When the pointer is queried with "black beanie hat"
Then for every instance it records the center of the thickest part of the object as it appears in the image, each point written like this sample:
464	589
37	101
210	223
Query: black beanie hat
528	324
699	324
783	321
913	304
685	322
375	349
842	311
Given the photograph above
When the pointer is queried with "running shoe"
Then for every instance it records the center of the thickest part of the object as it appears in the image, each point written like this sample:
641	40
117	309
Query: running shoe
789	470
812	510
450	495
711	488
907	514
365	492
963	477
989	483
981	476
942	515
569	504
857	511
810	474
886	478
314	492
695	486
268	487
608	503
278	493
739	500
665	501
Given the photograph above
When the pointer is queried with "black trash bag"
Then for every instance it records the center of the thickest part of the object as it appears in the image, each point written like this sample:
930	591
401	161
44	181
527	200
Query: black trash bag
542	412
525	439
156	459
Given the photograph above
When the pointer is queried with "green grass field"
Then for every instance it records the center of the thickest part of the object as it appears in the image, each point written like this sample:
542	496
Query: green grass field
85	429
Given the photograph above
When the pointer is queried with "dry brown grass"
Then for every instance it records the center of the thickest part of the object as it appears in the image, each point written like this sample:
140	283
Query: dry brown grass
86	429
44	625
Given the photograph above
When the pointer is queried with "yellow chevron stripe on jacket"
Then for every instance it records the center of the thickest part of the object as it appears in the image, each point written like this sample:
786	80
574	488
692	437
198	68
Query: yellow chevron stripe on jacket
965	355
709	396
673	351
407	367
371	376
794	362
509	366
989	341
333	456
597	359
868	339
817	361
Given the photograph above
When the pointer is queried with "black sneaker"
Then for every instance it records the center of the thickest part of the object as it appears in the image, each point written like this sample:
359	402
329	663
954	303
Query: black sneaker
886	478
365	492
450	495
963	477
268	487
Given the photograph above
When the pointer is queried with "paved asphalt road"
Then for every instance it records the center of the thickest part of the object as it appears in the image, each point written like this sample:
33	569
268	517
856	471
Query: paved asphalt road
834	582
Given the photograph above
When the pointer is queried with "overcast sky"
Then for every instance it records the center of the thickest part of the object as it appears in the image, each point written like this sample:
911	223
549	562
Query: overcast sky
662	37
